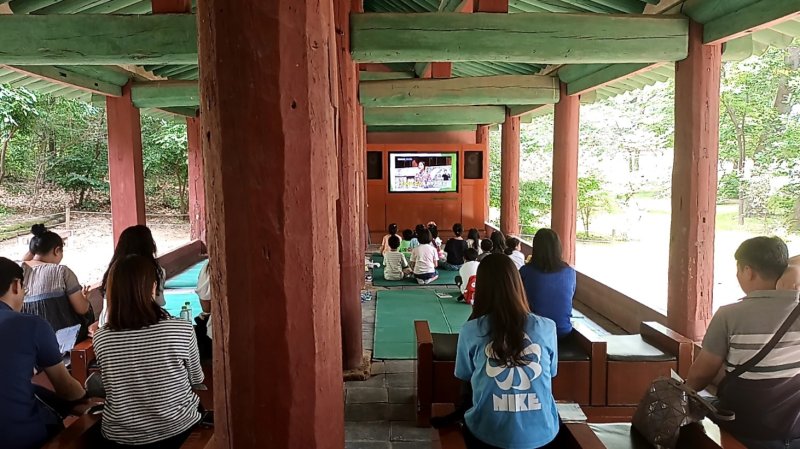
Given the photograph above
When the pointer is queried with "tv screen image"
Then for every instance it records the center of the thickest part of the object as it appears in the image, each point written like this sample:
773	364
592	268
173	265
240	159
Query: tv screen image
423	172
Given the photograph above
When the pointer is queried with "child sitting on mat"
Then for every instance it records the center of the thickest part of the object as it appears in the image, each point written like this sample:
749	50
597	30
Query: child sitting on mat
414	240
454	249
405	244
385	242
425	259
486	248
469	269
395	263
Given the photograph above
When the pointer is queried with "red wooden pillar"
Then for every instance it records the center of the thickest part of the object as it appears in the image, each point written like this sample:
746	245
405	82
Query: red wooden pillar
351	252
509	176
125	170
197	190
564	208
694	187
272	187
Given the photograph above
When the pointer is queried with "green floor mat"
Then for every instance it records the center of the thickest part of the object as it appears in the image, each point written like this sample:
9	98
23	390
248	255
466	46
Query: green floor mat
445	278
176	298
397	310
187	278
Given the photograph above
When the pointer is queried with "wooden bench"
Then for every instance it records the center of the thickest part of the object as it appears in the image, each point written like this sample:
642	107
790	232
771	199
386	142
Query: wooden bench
78	435
578	435
581	369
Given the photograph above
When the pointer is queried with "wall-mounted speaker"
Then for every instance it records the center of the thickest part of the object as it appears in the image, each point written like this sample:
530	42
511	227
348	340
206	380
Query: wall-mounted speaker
374	165
473	164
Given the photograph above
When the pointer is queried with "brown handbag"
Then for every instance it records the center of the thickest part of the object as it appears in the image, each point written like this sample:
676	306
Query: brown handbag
668	405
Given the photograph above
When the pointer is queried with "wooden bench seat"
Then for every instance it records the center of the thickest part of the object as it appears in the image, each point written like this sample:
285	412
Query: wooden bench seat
581	369
78	435
578	435
606	375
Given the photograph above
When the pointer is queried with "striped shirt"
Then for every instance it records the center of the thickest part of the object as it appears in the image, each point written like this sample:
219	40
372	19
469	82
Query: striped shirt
394	262
148	376
766	399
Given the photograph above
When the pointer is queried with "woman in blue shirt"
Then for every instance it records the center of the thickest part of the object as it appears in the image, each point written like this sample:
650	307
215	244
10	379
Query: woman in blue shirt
549	281
509	357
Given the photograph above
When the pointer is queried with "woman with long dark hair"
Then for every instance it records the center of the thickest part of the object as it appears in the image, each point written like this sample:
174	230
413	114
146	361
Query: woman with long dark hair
549	281
135	240
498	242
149	362
509	357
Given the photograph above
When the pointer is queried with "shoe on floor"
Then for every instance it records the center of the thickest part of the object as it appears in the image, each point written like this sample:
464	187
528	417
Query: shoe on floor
428	281
421	282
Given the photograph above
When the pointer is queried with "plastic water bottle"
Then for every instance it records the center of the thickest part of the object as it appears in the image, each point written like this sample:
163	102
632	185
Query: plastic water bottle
185	314
188	306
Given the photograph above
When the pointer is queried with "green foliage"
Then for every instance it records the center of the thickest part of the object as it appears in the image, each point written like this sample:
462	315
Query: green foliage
592	198
534	203
164	146
728	186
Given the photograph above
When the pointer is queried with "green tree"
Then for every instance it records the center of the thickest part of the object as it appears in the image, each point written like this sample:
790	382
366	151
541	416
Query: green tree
592	198
16	110
166	163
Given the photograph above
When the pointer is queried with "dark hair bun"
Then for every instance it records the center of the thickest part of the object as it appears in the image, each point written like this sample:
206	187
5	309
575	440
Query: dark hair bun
38	230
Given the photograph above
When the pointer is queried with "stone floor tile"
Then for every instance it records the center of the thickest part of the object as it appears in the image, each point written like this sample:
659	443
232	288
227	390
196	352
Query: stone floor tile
400	379
367	412
408	431
378	367
412	445
401	395
375	381
400	366
367	445
402	412
366	395
367	431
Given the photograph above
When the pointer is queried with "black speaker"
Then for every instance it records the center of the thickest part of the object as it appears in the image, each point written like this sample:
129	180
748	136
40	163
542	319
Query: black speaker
374	165
473	164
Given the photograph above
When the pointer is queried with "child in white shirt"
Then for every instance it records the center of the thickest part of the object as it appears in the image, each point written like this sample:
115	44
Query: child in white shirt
395	264
425	259
469	269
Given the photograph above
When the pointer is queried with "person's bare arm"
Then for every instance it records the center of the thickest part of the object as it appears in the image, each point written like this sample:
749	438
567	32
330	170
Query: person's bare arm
790	280
704	370
27	257
80	301
66	386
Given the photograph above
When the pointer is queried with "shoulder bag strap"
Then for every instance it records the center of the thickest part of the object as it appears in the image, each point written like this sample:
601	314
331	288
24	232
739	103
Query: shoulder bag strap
748	365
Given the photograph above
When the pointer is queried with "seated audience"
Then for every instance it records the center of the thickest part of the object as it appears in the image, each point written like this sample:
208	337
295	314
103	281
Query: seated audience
27	343
52	290
765	398
435	240
487	248
514	251
395	264
498	242
474	240
454	248
425	259
405	243
149	397
549	281
385	242
507	355
469	269
415	240
203	321
135	240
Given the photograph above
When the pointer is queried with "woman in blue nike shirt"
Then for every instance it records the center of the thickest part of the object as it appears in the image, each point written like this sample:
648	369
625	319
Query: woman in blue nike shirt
509	357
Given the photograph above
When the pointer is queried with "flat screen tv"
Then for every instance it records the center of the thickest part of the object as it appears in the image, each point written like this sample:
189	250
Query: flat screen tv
423	172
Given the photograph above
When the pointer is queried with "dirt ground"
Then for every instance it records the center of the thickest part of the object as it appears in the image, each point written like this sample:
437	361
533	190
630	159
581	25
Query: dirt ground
89	243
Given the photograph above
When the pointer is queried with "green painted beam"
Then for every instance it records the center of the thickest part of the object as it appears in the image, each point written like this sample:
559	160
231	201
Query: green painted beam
604	76
97	39
186	112
418	129
759	14
522	37
164	94
377	76
486	90
65	76
442	115
525	110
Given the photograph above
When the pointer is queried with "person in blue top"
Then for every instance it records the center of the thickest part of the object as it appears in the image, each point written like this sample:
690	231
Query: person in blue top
549	281
509	357
28	342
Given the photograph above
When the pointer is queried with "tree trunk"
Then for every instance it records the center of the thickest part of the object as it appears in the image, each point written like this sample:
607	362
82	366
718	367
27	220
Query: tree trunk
3	151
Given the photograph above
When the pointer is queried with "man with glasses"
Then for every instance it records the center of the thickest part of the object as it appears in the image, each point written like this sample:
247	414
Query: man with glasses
28	416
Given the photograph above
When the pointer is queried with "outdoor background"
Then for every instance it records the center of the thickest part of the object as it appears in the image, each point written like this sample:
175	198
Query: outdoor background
53	156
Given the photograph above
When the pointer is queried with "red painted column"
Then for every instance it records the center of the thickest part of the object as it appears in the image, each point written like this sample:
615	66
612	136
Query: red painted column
271	196
351	251
509	176
197	190
564	209
125	170
694	187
